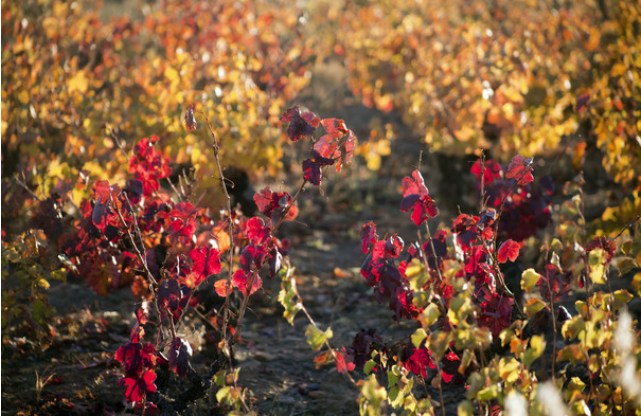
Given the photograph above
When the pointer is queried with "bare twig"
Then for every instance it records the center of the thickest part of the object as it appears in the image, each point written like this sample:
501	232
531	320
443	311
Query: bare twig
230	225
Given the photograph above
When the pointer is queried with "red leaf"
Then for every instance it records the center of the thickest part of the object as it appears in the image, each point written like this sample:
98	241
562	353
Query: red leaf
206	261
520	169
222	288
256	231
273	204
508	250
490	171
368	235
335	127
264	200
496	314
102	191
241	281
138	387
135	357
341	365
149	409
327	147
418	360
253	254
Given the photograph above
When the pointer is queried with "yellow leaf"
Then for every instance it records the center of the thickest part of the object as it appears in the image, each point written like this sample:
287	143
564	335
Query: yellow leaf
78	82
596	260
23	96
171	73
509	370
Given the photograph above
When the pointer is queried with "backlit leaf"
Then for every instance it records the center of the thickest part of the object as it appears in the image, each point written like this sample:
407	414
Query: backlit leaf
316	338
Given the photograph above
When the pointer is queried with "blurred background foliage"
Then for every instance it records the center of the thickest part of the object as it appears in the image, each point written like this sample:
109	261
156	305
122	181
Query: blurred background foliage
541	78
535	77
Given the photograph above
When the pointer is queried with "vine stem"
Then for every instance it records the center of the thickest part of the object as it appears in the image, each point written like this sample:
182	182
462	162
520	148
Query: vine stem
554	323
230	225
142	257
230	230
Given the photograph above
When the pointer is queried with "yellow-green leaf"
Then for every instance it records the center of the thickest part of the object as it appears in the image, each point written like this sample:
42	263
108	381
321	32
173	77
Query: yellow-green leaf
316	337
418	336
529	279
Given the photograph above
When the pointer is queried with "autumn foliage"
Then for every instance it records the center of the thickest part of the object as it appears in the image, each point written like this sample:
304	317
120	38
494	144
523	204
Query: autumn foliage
118	137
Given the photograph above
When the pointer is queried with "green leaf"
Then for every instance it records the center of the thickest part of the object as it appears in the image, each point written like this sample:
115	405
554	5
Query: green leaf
529	279
393	376
316	337
367	368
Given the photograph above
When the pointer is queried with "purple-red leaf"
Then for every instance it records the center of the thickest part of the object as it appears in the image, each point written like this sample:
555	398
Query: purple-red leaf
179	353
416	198
312	168
300	124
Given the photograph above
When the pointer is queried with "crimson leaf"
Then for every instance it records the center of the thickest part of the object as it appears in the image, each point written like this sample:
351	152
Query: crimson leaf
508	250
206	261
368	235
136	388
